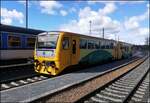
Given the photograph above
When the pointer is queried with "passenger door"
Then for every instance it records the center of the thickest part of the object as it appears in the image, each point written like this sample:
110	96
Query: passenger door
65	51
75	52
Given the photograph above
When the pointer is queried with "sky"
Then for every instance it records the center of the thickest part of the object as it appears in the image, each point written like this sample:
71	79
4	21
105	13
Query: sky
127	21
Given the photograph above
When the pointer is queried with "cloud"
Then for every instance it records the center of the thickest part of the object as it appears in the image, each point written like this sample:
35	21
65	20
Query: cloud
63	12
98	18
7	21
135	36
129	28
132	28
50	7
109	8
121	2
131	2
143	31
133	23
7	16
24	2
92	2
147	5
72	10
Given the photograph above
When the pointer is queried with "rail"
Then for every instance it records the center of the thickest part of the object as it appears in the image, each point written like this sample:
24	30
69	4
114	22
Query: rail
15	65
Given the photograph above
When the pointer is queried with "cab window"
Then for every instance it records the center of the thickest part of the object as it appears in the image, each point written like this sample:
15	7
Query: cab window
30	42
65	43
14	41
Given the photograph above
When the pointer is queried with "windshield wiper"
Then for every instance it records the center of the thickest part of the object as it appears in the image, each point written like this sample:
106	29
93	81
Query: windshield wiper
47	47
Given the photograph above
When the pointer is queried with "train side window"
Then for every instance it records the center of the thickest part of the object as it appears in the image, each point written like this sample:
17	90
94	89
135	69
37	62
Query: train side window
111	45
14	41
127	48
65	43
83	44
107	46
103	47
97	45
94	45
90	44
30	41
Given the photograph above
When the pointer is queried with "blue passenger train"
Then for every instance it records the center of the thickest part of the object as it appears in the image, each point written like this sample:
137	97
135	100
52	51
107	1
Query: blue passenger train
16	43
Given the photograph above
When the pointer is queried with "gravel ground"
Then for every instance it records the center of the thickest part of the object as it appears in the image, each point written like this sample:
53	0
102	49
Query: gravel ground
75	93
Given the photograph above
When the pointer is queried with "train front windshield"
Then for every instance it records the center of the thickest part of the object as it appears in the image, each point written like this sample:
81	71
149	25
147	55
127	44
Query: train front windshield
47	41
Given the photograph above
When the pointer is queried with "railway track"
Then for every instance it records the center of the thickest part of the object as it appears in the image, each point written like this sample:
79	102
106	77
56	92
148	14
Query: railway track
139	95
22	81
32	87
14	72
15	65
129	87
16	75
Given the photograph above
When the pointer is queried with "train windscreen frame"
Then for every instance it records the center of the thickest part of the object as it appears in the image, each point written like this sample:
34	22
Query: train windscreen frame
47	41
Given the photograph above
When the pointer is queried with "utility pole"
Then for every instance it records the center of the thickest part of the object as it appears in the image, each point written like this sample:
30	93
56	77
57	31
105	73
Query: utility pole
103	32
116	37
90	27
26	14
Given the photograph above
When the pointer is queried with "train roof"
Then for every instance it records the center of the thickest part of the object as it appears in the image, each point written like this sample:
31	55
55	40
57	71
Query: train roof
78	34
8	28
83	35
91	37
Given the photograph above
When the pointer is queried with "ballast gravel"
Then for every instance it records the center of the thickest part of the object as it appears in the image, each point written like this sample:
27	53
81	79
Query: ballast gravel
74	93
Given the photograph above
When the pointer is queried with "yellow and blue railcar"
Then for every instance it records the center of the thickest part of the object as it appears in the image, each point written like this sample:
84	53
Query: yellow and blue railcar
57	50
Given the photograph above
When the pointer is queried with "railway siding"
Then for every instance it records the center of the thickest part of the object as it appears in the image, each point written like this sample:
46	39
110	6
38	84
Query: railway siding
43	88
135	78
79	91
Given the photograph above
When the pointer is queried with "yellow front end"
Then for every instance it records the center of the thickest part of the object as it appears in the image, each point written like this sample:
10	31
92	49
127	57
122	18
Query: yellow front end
46	58
48	66
52	61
